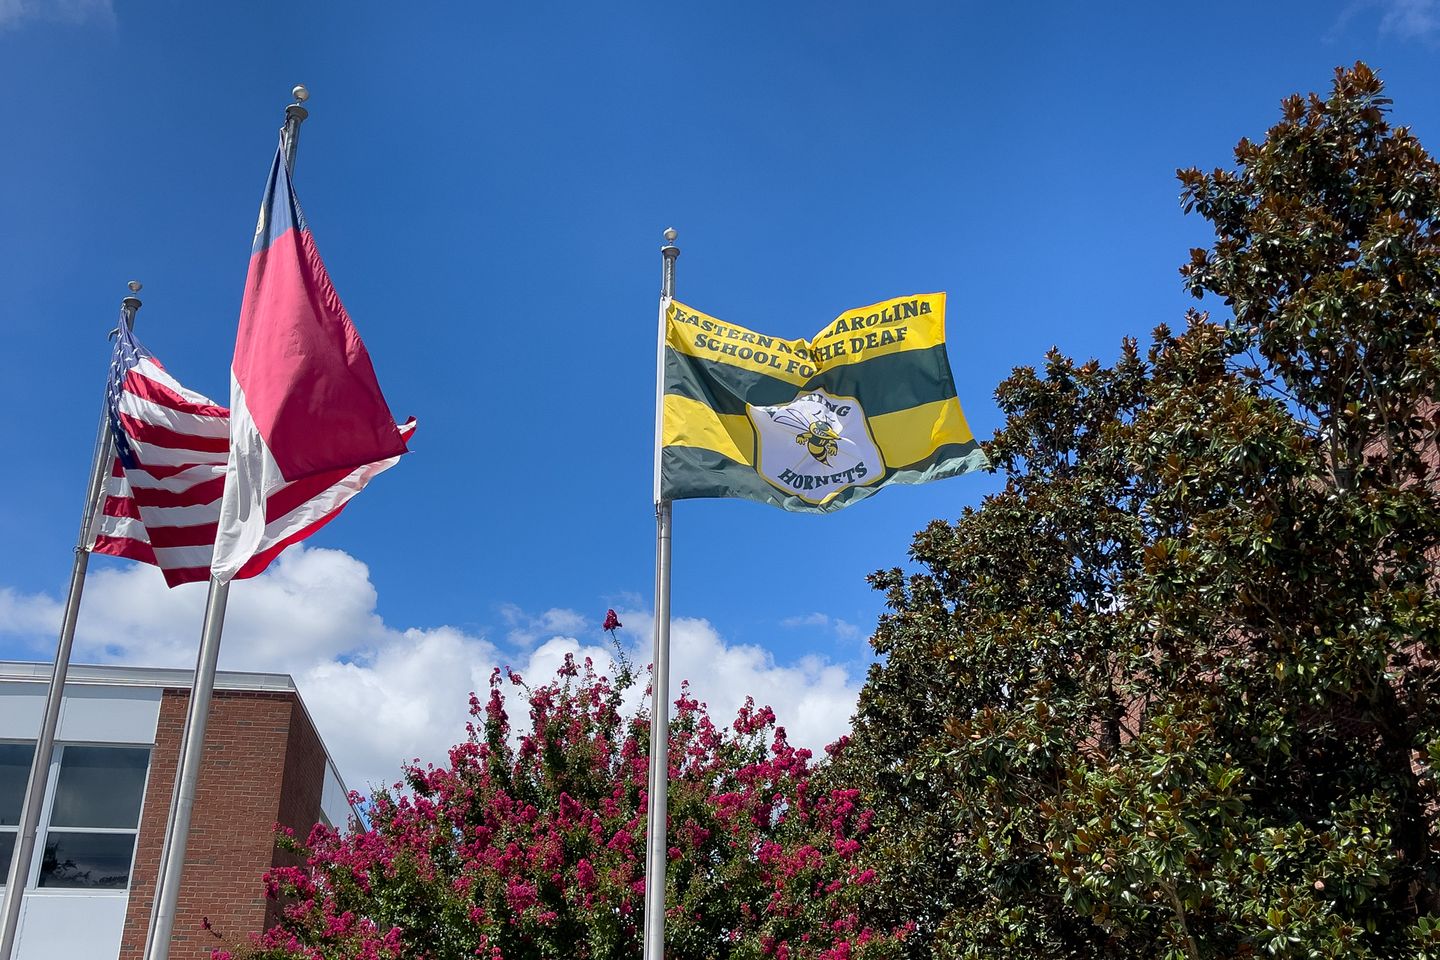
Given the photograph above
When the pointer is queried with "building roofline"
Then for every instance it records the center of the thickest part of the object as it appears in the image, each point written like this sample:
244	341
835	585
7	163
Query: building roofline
128	676
115	675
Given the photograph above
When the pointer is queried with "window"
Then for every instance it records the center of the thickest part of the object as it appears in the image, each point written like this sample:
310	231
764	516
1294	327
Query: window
15	759
90	818
94	817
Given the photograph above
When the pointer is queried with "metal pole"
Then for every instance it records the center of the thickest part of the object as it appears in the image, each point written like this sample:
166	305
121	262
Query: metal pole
295	115
182	804
19	873
165	848
656	845
191	751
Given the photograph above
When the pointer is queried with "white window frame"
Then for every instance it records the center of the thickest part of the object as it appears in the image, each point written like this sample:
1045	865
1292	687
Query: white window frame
15	830
43	828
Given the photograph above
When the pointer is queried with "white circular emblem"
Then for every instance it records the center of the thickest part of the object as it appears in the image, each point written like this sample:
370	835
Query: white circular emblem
816	446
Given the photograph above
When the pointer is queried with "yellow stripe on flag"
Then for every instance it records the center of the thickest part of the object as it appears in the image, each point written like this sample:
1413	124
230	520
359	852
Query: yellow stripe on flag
690	423
881	329
699	335
909	436
892	326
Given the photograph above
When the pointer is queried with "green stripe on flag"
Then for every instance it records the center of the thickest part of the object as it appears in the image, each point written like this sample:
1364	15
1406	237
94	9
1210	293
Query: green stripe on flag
695	472
882	385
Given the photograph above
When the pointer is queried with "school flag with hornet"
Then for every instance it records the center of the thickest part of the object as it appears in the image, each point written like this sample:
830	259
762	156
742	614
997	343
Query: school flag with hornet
810	425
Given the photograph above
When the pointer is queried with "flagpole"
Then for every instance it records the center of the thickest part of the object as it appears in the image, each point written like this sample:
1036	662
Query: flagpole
192	748
178	832
656	845
295	115
45	745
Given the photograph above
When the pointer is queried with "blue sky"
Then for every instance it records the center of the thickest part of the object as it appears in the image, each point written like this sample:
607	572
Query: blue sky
488	185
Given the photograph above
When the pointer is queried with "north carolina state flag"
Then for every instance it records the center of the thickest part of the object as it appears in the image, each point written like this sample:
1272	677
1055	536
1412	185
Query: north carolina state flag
304	402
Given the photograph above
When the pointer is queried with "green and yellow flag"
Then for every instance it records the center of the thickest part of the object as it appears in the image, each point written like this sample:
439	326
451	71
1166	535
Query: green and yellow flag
810	425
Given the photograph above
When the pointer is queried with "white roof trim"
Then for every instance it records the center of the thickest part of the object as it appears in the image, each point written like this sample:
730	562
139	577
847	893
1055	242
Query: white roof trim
127	676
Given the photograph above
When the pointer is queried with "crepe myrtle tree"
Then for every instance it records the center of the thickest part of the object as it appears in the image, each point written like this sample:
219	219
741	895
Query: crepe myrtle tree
530	843
1171	693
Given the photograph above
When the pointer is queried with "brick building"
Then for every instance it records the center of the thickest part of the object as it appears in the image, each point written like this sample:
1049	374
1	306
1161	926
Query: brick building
92	882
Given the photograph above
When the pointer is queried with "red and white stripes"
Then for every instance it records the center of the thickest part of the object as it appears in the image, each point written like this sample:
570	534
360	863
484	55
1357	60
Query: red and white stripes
165	509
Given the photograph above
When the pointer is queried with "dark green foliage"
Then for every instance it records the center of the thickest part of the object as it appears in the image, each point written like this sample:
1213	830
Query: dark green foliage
1171	693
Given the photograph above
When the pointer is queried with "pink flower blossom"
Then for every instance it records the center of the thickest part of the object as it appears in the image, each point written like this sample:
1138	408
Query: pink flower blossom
516	838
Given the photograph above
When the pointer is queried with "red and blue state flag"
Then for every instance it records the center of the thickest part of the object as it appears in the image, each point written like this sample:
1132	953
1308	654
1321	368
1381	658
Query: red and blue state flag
304	401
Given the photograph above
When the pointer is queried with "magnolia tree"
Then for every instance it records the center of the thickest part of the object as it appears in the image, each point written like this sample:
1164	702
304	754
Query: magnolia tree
1173	692
531	843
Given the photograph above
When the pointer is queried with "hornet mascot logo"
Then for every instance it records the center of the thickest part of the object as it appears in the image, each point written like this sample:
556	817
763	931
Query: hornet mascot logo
815	446
819	436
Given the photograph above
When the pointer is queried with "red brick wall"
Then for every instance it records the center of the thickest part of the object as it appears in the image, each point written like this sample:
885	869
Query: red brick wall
301	789
261	754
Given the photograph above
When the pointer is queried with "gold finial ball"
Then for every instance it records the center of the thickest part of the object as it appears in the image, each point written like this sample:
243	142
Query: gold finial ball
300	93
670	234
134	286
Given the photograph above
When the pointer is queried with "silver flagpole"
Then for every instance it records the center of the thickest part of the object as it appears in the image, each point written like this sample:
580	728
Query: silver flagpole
656	846
168	883
294	114
45	746
177	834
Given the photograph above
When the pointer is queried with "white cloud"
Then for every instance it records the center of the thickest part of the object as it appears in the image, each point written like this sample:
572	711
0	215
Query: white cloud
527	629
407	700
312	615
1402	19
843	629
1411	19
380	694
813	697
15	12
32	616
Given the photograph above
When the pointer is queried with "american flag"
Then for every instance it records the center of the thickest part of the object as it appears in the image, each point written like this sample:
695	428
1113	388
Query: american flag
161	502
